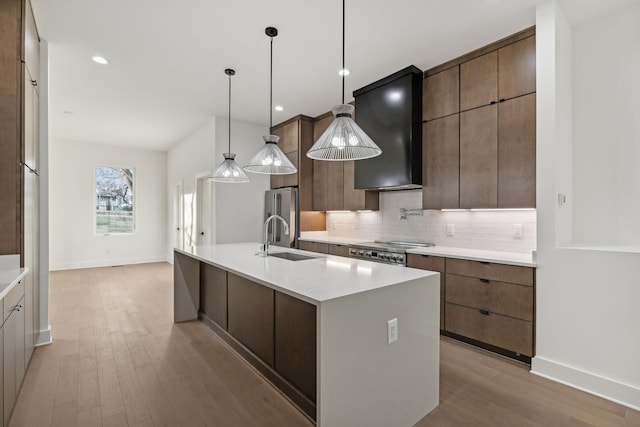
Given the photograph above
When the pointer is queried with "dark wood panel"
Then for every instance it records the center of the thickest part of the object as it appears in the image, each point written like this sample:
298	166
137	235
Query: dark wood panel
305	167
517	68
11	78
501	331
517	152
527	32
320	168
291	180
479	81
290	137
441	163
250	316
335	186
277	181
213	293
497	297
295	342
491	271
354	199
479	158
441	94
313	221
339	250
432	263
305	245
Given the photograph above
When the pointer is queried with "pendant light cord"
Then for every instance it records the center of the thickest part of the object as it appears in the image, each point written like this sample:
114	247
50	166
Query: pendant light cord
343	65
271	88
229	114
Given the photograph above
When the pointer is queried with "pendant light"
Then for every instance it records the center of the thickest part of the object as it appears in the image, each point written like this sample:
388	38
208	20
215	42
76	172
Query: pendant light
344	139
270	159
229	171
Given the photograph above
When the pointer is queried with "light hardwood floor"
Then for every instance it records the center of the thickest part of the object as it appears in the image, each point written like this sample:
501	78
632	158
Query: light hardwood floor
118	360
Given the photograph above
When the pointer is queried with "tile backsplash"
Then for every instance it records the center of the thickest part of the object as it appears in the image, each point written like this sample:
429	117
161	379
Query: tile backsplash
491	230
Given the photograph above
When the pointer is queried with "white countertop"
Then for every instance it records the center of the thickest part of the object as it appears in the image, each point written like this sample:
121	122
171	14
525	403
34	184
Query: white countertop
9	278
511	258
316	280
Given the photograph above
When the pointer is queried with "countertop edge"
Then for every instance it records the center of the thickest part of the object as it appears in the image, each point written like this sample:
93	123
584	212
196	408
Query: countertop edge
21	273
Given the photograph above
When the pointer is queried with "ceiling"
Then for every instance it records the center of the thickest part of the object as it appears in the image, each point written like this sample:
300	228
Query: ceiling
167	57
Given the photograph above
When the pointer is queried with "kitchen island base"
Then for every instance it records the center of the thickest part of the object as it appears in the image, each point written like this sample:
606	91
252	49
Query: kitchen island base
330	356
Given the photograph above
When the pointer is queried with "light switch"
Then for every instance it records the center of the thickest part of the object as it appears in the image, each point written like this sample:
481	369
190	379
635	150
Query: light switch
450	230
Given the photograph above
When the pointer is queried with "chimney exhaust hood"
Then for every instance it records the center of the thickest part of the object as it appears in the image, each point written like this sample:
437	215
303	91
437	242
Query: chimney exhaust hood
390	112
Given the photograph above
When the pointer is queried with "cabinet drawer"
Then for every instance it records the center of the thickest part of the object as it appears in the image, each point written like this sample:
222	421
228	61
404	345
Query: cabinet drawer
497	297
494	329
426	262
12	298
322	248
339	250
487	270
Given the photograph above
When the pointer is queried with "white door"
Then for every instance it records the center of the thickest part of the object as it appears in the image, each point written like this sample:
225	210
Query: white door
204	211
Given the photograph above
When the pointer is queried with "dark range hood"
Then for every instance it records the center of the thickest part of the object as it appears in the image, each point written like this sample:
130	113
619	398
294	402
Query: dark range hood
390	112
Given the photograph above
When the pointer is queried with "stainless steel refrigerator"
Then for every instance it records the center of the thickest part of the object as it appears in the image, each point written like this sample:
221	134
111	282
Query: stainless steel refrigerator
283	202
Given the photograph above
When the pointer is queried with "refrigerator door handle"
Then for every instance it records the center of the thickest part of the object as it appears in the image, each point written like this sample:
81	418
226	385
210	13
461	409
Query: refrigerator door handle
278	201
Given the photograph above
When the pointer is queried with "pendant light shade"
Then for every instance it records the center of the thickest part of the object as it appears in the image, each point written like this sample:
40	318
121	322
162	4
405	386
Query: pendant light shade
229	171
344	139
270	159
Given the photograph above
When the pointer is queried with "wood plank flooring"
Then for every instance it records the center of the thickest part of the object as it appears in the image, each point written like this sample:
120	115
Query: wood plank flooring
117	359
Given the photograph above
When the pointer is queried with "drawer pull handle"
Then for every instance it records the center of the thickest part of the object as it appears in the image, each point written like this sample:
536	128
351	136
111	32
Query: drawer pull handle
484	262
484	312
485	280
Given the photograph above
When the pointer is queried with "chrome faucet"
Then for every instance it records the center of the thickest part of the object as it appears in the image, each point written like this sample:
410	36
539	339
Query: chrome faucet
265	246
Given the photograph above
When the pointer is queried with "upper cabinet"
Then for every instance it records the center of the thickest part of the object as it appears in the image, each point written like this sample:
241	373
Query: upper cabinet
482	154
31	45
296	137
441	94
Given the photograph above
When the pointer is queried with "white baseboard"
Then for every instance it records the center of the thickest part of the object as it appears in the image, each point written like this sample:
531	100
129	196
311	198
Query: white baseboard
106	263
616	391
44	337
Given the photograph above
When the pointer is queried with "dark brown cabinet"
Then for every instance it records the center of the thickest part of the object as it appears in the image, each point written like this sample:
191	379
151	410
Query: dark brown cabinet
441	94
213	293
517	69
517	152
479	158
250	316
319	247
441	163
491	303
296	137
295	342
432	263
339	250
479	81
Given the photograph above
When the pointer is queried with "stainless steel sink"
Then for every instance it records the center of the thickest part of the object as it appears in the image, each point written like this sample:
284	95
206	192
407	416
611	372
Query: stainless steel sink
292	256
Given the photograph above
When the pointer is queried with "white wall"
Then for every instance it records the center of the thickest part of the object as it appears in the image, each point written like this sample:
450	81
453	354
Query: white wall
606	116
586	300
237	208
73	242
492	230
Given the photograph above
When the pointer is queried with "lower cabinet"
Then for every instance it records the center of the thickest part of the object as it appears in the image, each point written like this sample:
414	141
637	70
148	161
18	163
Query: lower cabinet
251	322
305	245
13	348
432	263
273	331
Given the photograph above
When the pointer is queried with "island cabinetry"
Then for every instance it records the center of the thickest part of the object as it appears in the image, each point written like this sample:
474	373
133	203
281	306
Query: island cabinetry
213	293
251	316
432	263
491	304
295	342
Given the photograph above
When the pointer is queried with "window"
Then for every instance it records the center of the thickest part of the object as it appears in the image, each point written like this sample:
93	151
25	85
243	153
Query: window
114	200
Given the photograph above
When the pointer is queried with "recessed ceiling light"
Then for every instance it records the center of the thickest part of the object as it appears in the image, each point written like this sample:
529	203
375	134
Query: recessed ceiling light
100	60
279	108
344	72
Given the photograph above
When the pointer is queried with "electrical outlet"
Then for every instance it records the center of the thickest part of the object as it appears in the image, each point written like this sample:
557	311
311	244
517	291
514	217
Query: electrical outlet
450	230
517	231
392	331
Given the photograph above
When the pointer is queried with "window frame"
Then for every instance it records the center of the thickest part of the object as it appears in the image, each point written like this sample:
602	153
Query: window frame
95	211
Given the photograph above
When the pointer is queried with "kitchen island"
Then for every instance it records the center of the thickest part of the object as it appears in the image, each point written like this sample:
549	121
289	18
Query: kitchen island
318	329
